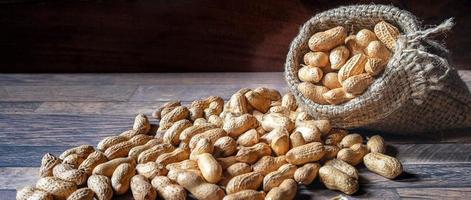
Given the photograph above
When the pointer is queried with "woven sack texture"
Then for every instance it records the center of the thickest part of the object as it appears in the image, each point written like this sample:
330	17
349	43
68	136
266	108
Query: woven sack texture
418	92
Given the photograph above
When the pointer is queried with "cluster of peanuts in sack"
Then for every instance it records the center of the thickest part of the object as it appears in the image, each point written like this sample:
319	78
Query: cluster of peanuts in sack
339	67
257	145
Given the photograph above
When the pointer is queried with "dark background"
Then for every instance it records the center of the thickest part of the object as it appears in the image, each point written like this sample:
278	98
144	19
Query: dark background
178	35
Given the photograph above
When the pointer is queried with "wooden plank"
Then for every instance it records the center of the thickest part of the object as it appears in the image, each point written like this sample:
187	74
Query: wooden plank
66	93
8	194
27	156
18	107
140	79
422	175
317	191
98	108
435	193
192	92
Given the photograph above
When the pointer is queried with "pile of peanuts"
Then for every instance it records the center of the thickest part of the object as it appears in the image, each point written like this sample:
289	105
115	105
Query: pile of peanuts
339	67
257	145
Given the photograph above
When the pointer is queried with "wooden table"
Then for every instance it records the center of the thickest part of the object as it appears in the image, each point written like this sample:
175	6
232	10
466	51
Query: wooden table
53	112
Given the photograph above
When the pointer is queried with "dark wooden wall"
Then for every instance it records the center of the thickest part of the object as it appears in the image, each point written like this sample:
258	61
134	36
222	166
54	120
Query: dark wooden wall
179	35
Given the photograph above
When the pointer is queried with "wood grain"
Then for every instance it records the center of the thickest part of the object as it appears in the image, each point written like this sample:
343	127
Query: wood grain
434	193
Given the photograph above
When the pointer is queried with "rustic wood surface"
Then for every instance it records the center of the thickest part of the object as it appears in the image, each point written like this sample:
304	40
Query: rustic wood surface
53	112
181	36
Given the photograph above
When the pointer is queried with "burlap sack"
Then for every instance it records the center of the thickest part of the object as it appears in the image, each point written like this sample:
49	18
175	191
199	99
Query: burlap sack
418	92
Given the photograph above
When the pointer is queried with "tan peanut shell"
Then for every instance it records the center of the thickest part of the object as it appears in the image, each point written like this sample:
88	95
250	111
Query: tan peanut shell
285	191
310	74
310	152
110	141
92	161
316	59
82	194
173	174
338	56
198	187
129	134
177	155
142	189
73	159
335	179
350	139
101	185
383	165
364	37
330	152
337	96
296	139
211	135
186	164
248	181
249	138
203	146
121	178
227	161
376	144
234	170
344	167
172	135
168	190
354	154
307	173
257	101
289	101
353	46
275	178
335	136
67	172
313	92
47	164
225	146
354	66
246	195
323	125
154	152
252	154
178	113
331	80
135	151
387	33
209	167
216	120
107	168
81	151
141	124
357	84
58	188
195	113
276	120
376	49
326	40
374	66
234	126
238	104
268	93
151	170
29	192
280	144
267	164
171	104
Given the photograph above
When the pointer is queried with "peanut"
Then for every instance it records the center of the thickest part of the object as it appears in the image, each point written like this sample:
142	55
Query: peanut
268	164
326	40
280	144
248	181
121	178
354	154
68	173
313	92
374	66
47	164
225	146
257	101
296	139
249	138
252	154
234	170
316	59
307	173
383	165
353	46
309	133
387	33
216	120
330	152
58	188
331	81
203	146
198	187
178	113
246	195
29	192
276	120
81	151
186	164
235	126
154	152
275	178
310	74
338	95
177	155
227	161
151	170
129	134
238	104
335	179
122	149
92	161
141	124
338	56
110	141
171	104
268	93
209	167
310	152
168	190
211	135
344	167
285	191
335	136
376	144
82	194
135	151
350	139
357	84
188	133
364	37
172	135
107	168
354	66
289	101
141	188
74	160
376	49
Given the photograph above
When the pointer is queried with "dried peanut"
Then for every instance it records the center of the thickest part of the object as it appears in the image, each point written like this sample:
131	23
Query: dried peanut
354	66
203	146
289	101
47	164
285	191
338	96
344	167
376	49
81	151
151	170
107	168
129	134
248	181
110	141
252	154
387	33
216	120
268	164
238	104
227	161
154	152
335	179
171	104
135	151
234	170
121	178
198	187
177	155
92	161
310	152
331	80
246	195
310	74
268	93
307	173
172	135
335	136
350	139
280	144
58	188
68	173
330	152
383	165
82	194
296	139
275	178
178	113
29	192
338	56
353	46
257	101
73	159
168	190
249	138
326	40
364	37
376	144
374	66
353	155
188	133
313	92
211	135
209	167
272	121
141	124
234	126
316	59
225	146
141	188
309	133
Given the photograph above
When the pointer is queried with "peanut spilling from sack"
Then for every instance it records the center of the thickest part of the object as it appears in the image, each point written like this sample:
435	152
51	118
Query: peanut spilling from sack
340	67
258	145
